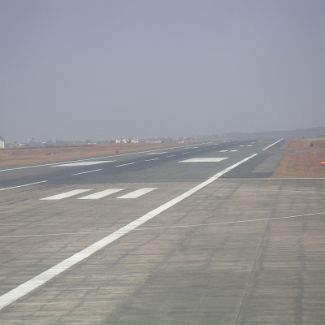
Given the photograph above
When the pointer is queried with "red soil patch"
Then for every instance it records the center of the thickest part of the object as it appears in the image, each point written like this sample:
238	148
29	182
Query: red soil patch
303	158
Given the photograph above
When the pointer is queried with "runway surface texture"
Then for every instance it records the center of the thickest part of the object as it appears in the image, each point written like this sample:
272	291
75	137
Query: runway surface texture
194	235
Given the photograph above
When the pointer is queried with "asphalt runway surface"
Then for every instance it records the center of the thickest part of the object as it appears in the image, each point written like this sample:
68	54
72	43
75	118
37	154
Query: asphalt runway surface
193	235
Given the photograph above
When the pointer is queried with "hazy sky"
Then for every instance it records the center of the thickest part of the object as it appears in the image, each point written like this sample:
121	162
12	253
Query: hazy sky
76	69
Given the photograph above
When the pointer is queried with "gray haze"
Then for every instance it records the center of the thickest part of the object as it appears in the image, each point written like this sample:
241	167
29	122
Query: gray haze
74	69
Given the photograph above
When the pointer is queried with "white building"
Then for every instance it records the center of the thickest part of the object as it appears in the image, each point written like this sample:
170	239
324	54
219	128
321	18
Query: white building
2	143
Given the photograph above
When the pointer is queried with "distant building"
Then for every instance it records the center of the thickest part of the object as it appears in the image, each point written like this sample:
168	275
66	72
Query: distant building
2	143
123	140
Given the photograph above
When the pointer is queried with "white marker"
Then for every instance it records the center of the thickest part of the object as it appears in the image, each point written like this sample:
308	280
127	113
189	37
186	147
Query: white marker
101	194
66	194
137	193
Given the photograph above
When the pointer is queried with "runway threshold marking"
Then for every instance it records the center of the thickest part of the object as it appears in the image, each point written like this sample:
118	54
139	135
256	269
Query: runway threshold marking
101	194
87	172
273	144
23	185
65	195
137	193
42	278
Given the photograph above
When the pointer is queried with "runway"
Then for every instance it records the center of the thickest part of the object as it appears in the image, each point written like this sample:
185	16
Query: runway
193	235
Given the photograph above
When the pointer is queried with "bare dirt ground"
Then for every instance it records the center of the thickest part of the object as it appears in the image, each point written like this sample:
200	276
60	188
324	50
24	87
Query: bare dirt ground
32	156
302	159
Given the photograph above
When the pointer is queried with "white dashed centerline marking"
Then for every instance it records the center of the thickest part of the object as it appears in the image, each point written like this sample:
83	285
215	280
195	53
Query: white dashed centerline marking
233	150
66	194
127	164
204	160
23	185
42	278
137	193
87	172
152	159
84	163
101	194
157	153
223	150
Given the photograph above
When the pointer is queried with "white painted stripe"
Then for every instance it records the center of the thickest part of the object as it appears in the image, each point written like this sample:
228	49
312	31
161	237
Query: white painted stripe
127	164
101	194
23	185
87	172
223	150
42	278
170	156
233	150
66	194
157	153
273	144
83	163
204	160
152	159
137	193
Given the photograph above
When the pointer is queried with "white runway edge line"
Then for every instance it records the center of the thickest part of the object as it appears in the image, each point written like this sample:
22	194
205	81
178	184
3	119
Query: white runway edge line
273	144
34	283
23	185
